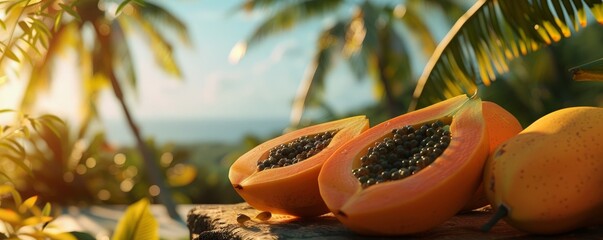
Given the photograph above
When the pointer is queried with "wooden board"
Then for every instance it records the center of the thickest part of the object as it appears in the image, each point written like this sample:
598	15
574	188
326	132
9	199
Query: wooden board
218	222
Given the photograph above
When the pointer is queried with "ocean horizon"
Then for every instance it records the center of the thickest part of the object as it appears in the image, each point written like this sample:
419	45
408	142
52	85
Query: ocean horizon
188	131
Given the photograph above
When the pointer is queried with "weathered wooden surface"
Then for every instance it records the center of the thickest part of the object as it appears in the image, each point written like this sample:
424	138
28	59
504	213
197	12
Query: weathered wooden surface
218	222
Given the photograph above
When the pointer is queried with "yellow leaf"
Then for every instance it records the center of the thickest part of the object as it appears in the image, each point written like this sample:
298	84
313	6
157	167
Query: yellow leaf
9	216
5	189
30	221
28	204
137	223
46	210
181	175
39	234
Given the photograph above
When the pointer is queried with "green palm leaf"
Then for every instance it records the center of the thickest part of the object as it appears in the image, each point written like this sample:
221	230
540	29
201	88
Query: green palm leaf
489	35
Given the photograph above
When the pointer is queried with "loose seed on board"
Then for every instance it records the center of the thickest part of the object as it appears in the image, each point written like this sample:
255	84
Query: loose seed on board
264	216
242	218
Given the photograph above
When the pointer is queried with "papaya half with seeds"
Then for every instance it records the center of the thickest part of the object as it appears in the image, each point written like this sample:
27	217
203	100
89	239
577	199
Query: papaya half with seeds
548	178
500	125
423	199
281	174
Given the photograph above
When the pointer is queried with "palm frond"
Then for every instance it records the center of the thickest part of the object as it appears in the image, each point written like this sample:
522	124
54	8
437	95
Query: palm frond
410	17
159	16
289	15
160	46
395	56
24	31
123	63
312	85
489	35
39	80
250	5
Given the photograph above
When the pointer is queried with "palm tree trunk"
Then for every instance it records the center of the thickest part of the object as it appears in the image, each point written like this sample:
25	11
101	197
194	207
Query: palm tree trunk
149	158
299	103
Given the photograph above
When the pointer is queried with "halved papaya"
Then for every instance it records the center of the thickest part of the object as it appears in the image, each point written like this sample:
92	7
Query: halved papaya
422	200
271	180
500	125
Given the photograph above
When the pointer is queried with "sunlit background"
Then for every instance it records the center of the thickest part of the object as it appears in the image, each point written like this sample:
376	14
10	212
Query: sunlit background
226	96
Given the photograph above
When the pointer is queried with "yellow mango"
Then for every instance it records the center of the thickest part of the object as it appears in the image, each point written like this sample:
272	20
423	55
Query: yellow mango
548	179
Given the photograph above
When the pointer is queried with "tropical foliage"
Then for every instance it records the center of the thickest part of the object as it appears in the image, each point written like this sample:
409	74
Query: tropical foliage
23	219
26	219
492	33
13	135
96	30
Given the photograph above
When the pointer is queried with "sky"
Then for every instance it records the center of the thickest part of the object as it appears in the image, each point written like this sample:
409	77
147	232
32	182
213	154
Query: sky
261	85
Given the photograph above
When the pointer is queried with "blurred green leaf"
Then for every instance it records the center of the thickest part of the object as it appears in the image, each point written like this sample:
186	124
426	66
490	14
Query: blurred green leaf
71	11
137	223
82	235
124	4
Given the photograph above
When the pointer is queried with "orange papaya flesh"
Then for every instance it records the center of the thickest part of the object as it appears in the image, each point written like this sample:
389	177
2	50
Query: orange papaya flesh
500	125
292	189
419	202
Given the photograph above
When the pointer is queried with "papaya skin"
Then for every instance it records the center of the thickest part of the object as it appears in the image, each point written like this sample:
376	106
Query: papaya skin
419	202
291	190
500	125
548	177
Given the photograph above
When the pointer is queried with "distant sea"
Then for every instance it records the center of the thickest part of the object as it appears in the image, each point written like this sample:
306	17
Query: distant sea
194	131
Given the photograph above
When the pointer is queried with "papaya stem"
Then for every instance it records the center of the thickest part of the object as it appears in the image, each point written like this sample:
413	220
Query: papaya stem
501	212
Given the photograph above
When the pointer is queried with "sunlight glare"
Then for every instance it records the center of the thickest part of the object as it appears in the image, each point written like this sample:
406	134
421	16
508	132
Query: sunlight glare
154	190
166	159
104	195
81	169
400	10
126	185
68	177
109	7
90	162
131	172
119	159
237	52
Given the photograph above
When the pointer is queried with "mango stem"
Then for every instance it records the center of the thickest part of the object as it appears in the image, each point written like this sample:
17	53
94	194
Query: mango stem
501	212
